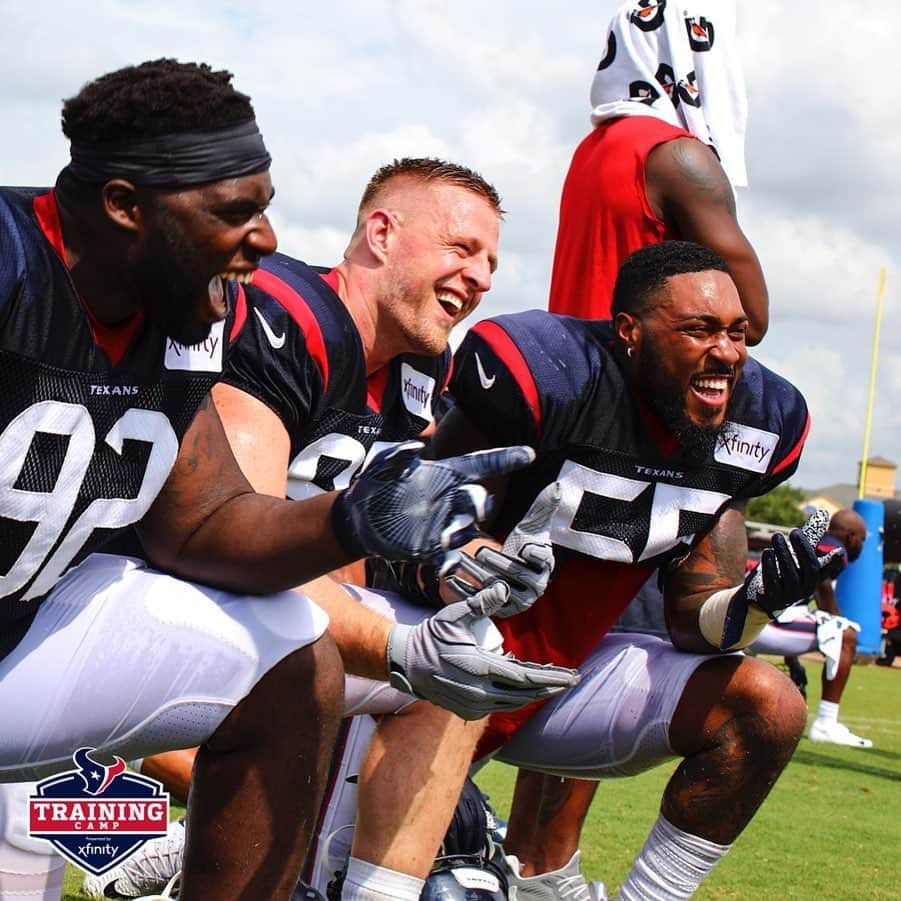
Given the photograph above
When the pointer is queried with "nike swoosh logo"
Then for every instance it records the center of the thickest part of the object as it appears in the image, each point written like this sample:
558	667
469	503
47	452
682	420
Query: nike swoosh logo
483	376
277	341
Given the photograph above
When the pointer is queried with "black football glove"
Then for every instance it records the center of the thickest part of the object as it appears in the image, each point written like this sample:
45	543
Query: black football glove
788	572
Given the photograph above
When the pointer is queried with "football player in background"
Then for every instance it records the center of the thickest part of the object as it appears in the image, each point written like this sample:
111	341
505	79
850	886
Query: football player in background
800	629
661	161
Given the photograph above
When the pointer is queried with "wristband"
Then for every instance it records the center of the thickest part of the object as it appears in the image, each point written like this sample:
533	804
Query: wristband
396	657
712	618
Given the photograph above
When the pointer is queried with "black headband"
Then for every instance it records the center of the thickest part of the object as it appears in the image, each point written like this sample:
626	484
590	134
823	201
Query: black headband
179	160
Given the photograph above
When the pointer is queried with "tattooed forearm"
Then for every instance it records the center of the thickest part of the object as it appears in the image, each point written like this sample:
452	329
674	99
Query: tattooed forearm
730	547
203	475
204	478
717	562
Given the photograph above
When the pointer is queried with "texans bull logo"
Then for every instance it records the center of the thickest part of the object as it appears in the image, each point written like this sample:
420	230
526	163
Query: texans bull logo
648	15
96	776
700	33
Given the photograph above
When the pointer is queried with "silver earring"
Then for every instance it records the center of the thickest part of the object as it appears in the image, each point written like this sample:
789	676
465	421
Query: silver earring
629	352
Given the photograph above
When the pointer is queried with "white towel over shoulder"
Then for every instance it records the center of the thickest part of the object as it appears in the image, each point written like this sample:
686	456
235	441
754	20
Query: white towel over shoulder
829	638
677	61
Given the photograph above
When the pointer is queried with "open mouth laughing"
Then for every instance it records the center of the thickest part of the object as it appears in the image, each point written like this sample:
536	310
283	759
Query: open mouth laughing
712	389
217	292
450	302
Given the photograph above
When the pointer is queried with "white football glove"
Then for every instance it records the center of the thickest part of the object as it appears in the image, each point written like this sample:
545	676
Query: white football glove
441	659
525	562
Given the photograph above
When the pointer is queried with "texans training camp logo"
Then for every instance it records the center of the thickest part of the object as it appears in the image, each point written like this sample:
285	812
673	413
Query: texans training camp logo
97	816
648	14
700	33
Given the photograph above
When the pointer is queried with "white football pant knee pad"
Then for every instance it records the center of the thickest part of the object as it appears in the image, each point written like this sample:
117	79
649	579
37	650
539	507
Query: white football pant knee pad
30	868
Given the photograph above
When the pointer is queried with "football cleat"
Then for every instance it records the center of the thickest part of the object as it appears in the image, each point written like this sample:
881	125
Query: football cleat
150	869
836	733
566	883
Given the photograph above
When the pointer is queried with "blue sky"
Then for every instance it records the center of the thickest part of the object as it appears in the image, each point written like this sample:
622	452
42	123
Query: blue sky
502	86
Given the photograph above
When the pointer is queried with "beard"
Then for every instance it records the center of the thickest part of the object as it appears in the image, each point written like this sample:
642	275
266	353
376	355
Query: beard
408	307
696	441
166	279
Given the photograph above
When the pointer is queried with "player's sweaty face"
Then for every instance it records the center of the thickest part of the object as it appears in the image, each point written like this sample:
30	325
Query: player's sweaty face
696	336
440	264
197	239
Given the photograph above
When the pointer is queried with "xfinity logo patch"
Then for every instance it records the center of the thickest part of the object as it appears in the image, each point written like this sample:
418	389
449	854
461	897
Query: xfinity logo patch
417	390
745	447
205	356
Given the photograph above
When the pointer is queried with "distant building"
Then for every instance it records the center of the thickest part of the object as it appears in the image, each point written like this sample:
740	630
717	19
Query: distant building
879	485
830	498
880	478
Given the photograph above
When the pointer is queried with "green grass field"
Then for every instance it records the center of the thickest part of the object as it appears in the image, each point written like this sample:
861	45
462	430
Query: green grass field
831	828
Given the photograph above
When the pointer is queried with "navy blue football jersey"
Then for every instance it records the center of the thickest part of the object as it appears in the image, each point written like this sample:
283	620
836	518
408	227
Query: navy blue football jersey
836	566
552	382
90	417
297	350
630	502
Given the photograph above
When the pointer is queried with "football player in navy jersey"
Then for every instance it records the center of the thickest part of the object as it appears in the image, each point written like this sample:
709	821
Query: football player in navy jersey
658	426
421	257
325	368
800	629
114	288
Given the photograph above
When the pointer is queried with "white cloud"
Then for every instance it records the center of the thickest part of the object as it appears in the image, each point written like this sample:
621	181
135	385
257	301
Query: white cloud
342	88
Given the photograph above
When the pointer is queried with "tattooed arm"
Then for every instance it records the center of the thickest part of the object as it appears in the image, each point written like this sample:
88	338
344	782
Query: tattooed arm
208	525
688	189
717	563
